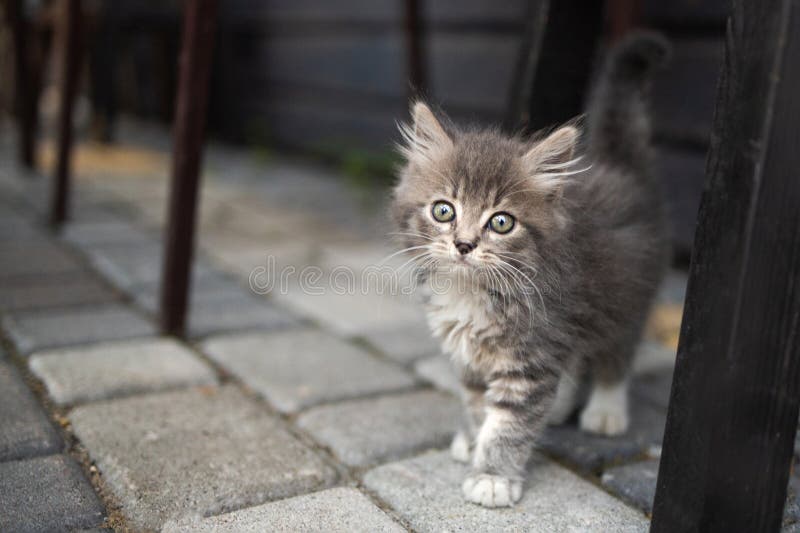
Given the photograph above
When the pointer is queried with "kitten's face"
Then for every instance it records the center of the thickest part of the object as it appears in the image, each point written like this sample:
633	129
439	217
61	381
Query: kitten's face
479	200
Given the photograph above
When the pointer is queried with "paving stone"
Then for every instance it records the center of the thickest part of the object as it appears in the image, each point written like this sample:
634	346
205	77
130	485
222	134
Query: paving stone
439	371
426	492
46	494
36	330
405	343
653	387
130	266
351	313
212	287
25	430
218	306
119	368
365	432
339	510
17	228
88	234
652	357
300	368
35	259
199	452
634	483
590	453
59	290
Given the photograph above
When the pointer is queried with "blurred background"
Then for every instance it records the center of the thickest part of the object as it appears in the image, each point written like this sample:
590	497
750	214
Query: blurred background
330	79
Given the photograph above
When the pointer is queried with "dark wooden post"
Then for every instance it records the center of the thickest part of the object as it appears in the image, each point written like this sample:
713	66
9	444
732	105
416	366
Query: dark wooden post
734	406
550	88
415	48
25	91
517	112
188	132
71	18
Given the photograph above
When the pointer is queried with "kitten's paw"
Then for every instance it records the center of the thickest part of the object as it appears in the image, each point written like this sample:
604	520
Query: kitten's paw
609	420
459	448
491	491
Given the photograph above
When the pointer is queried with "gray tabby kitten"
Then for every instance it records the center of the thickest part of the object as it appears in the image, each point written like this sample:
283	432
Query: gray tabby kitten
538	270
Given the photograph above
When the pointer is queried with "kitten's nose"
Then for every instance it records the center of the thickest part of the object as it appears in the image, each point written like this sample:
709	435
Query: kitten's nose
464	247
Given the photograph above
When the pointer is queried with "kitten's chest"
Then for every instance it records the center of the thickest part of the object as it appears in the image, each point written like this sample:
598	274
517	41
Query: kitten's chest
464	322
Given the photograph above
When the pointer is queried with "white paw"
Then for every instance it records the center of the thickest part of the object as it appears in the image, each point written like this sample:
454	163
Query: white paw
459	448
491	491
606	413
604	420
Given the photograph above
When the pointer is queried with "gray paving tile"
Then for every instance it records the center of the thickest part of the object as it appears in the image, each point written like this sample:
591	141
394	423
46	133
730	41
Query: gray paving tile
590	453
366	432
426	492
101	232
438	371
634	483
35	259
77	288
218	304
339	510
130	266
198	452
36	330
348	313
300	368
405	343
46	494
119	368
653	387
25	430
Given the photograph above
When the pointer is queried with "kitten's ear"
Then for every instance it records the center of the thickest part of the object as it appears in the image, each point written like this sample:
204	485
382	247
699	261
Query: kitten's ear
550	159
426	135
555	149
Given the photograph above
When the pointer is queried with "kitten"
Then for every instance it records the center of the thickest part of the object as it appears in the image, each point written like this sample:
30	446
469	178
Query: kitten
537	269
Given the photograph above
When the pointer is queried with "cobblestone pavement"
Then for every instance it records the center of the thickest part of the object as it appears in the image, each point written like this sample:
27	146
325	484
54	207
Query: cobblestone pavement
283	411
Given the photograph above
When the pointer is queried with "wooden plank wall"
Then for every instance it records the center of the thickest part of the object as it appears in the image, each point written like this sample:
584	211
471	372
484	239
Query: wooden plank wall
317	74
331	76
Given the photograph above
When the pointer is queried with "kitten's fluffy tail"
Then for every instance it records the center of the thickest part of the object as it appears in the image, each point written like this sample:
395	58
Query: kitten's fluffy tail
618	122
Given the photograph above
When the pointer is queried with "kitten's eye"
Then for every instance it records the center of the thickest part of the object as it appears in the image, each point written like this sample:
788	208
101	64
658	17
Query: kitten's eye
443	211
501	222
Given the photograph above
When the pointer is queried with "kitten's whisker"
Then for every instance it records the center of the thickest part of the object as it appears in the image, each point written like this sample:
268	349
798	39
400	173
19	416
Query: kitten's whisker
410	234
383	261
533	285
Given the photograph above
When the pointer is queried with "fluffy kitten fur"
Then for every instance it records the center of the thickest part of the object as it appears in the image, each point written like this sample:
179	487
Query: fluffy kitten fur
525	315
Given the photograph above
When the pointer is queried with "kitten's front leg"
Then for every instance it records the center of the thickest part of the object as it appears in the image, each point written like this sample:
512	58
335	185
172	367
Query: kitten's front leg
516	409
472	396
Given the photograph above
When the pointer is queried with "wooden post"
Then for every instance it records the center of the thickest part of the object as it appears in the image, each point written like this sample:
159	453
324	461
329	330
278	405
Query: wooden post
415	49
517	112
25	91
71	18
733	411
551	87
188	133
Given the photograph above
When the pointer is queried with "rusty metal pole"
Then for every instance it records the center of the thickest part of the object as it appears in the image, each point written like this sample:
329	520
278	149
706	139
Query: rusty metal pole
59	207
188	134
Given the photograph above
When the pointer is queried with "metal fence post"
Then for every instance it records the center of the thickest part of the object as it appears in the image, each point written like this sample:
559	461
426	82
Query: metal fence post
188	133
733	410
59	207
